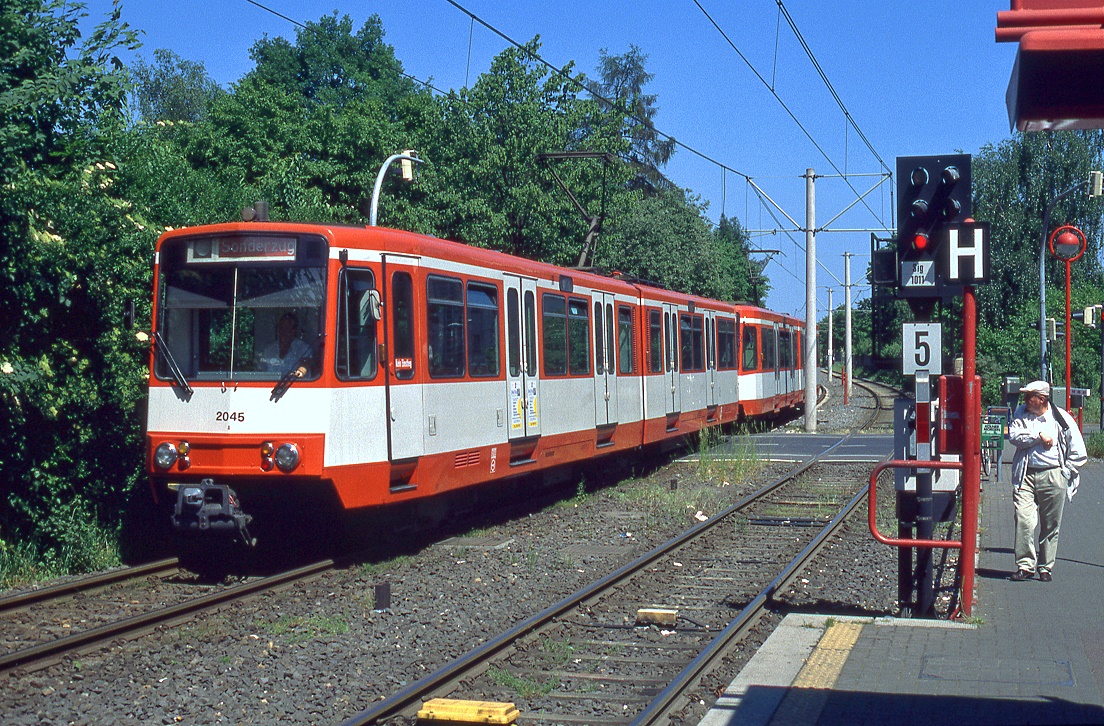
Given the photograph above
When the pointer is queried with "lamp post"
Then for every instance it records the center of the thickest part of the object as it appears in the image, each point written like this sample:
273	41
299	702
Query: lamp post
409	158
1067	243
1094	184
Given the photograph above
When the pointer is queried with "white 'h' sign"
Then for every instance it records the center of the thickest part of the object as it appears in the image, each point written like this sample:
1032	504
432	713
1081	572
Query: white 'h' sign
977	252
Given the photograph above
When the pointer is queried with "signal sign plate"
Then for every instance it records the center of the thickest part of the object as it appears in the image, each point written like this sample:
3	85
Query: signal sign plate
922	348
918	273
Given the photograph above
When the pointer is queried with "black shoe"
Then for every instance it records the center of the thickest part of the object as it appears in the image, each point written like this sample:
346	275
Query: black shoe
1022	575
1044	576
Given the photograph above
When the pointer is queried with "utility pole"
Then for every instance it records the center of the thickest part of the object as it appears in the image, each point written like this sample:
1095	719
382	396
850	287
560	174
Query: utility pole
810	304
831	308
847	328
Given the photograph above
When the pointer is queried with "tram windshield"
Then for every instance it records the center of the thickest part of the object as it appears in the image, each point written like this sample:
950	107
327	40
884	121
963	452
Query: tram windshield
242	307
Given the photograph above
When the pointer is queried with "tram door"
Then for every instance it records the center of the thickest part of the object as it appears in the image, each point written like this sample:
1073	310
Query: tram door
710	358
673	395
404	396
605	364
770	362
522	379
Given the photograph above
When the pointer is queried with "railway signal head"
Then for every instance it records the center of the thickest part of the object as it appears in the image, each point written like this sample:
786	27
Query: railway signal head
932	193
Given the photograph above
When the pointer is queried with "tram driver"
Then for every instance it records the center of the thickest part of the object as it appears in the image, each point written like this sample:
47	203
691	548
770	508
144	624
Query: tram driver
288	349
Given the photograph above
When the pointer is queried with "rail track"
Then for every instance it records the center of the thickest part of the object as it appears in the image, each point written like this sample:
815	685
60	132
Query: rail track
587	659
45	653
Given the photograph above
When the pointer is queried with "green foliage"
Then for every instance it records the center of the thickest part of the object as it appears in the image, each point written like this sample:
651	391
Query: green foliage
172	88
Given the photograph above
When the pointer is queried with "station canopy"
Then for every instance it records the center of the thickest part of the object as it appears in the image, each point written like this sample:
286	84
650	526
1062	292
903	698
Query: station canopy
1058	79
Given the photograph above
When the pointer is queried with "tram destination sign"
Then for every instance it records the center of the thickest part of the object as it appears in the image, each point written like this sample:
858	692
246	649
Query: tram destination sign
250	248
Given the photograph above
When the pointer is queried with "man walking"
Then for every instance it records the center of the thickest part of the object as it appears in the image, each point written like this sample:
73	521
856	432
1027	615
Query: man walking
1049	451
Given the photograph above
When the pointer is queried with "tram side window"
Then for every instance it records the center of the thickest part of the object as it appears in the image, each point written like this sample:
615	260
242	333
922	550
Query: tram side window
482	330
530	334
655	342
609	337
726	344
599	344
750	361
445	328
513	328
554	340
625	339
578	335
690	339
770	346
402	317
356	326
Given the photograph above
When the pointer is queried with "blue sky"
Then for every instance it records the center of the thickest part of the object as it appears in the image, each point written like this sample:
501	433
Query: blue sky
917	78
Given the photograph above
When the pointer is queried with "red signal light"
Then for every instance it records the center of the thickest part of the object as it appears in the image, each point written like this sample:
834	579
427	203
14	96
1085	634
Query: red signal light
920	241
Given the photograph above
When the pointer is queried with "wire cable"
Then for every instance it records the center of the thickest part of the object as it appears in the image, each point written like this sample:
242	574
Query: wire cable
785	107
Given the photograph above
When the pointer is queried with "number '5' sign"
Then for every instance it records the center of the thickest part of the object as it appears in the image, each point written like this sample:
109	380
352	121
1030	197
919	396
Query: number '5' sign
922	348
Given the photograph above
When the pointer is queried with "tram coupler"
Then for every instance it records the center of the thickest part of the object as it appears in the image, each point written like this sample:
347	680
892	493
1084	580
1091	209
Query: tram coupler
210	507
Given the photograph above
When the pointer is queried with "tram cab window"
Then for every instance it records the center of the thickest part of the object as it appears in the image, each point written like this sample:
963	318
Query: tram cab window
750	358
226	302
357	313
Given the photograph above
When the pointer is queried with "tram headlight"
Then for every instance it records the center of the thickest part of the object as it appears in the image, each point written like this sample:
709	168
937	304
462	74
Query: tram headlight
287	457
164	456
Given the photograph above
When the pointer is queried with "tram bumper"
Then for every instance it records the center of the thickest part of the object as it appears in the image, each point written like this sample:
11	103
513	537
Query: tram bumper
210	507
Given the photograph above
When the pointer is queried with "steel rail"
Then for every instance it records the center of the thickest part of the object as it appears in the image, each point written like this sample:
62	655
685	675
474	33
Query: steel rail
157	617
402	702
65	589
666	700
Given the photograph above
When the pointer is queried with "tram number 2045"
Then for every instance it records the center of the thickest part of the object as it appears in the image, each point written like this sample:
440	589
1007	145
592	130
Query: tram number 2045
922	348
238	416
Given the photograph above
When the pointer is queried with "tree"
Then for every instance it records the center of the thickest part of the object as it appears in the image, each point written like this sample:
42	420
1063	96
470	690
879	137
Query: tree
486	183
623	81
70	379
172	88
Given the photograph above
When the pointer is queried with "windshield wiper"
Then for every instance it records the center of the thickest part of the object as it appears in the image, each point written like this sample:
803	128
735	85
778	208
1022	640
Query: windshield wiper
162	349
289	376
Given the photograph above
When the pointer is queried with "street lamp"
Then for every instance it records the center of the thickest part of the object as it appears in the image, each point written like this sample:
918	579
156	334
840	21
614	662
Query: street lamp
408	157
1096	187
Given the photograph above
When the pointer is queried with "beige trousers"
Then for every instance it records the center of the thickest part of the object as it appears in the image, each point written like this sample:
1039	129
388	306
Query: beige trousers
1039	502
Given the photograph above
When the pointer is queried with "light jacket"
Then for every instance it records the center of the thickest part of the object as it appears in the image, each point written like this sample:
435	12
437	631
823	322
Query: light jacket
1072	453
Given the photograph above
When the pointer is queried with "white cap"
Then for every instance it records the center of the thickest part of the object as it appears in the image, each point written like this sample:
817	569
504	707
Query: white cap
1040	387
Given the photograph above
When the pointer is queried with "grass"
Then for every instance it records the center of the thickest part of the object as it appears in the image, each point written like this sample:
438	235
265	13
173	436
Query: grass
524	687
300	630
80	549
1094	443
734	463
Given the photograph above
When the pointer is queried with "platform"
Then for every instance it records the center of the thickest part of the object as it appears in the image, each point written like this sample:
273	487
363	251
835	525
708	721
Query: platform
1033	652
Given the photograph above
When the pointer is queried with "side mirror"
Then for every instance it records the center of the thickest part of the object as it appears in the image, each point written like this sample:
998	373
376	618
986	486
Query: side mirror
128	315
371	308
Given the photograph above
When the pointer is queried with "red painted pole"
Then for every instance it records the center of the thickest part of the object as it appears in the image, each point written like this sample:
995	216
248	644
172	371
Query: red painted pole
971	464
1069	335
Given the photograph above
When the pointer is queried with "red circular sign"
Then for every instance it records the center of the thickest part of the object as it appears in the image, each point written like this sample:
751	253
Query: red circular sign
1067	243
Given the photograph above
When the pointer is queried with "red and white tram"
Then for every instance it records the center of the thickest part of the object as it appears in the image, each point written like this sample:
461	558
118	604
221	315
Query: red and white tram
378	366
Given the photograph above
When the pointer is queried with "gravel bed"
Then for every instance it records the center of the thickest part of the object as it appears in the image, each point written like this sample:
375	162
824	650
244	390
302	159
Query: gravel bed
320	652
